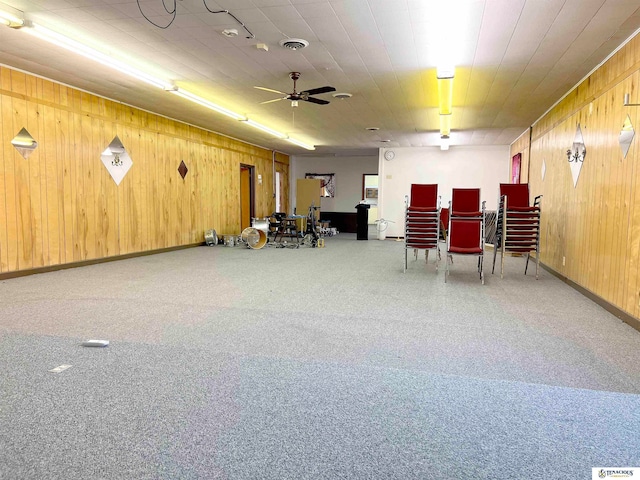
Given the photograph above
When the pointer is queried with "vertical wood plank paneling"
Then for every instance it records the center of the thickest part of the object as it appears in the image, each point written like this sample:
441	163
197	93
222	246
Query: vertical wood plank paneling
124	193
164	196
51	205
36	162
62	206
22	178
64	148
596	226
145	147
629	301
134	187
618	226
5	137
79	210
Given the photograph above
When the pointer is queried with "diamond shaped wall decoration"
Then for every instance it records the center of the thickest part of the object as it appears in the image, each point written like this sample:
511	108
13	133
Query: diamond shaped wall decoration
116	160
182	169
544	168
576	155
24	143
626	136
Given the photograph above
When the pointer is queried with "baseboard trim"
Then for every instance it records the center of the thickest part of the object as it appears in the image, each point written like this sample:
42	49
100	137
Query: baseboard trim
84	263
609	307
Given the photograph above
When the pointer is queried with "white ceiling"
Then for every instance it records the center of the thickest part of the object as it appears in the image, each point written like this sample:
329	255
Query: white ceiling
515	60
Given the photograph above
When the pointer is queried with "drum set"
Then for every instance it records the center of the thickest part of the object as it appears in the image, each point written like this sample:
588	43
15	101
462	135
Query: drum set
278	231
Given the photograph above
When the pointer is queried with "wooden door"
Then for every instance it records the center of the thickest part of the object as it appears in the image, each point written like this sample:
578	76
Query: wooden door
246	196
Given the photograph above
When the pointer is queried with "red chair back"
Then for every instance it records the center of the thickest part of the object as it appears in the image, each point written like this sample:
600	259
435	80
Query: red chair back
424	195
444	218
517	194
465	200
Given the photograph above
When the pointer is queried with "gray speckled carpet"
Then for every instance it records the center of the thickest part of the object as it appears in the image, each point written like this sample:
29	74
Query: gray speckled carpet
311	363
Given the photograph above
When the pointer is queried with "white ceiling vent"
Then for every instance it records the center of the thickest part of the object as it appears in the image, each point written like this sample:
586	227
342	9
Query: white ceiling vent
294	43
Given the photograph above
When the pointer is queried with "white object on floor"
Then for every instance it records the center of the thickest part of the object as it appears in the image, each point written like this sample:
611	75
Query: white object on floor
59	369
95	343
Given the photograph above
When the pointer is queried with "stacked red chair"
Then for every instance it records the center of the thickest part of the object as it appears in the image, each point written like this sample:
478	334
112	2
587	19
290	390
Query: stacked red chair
518	225
444	223
465	235
422	221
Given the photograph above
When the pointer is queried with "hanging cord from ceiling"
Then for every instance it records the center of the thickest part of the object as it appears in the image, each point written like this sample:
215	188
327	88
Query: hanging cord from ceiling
173	13
251	35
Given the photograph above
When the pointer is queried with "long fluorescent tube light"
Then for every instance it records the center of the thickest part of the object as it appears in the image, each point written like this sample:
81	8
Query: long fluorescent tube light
10	20
445	74
445	96
206	103
74	46
301	144
264	128
95	55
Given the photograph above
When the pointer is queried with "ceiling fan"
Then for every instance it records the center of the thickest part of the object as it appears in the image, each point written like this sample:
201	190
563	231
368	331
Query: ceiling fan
305	95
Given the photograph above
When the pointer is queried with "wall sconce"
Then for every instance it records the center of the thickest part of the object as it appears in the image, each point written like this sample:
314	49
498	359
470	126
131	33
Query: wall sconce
24	143
626	103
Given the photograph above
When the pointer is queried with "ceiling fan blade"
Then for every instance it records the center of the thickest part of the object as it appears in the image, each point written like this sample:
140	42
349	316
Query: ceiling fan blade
318	91
315	100
271	90
274	100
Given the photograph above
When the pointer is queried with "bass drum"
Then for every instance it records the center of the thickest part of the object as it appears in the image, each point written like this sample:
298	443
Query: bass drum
254	238
261	224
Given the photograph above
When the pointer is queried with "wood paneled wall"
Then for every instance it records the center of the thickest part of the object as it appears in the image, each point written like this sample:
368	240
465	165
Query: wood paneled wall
61	206
591	233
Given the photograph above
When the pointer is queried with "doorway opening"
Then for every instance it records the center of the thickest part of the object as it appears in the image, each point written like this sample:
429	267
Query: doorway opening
278	187
246	195
370	195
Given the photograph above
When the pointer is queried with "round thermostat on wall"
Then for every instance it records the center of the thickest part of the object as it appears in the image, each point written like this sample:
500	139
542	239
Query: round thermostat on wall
389	155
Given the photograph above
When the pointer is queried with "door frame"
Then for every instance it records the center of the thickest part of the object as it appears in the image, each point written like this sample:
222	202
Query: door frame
251	169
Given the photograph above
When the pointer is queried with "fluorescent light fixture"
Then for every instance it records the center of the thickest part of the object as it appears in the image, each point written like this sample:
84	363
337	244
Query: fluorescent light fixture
301	144
206	103
14	21
10	19
445	125
445	71
264	128
92	54
445	96
445	75
444	142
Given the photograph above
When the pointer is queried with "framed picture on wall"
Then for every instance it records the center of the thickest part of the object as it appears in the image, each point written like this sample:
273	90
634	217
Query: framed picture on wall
327	183
515	168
